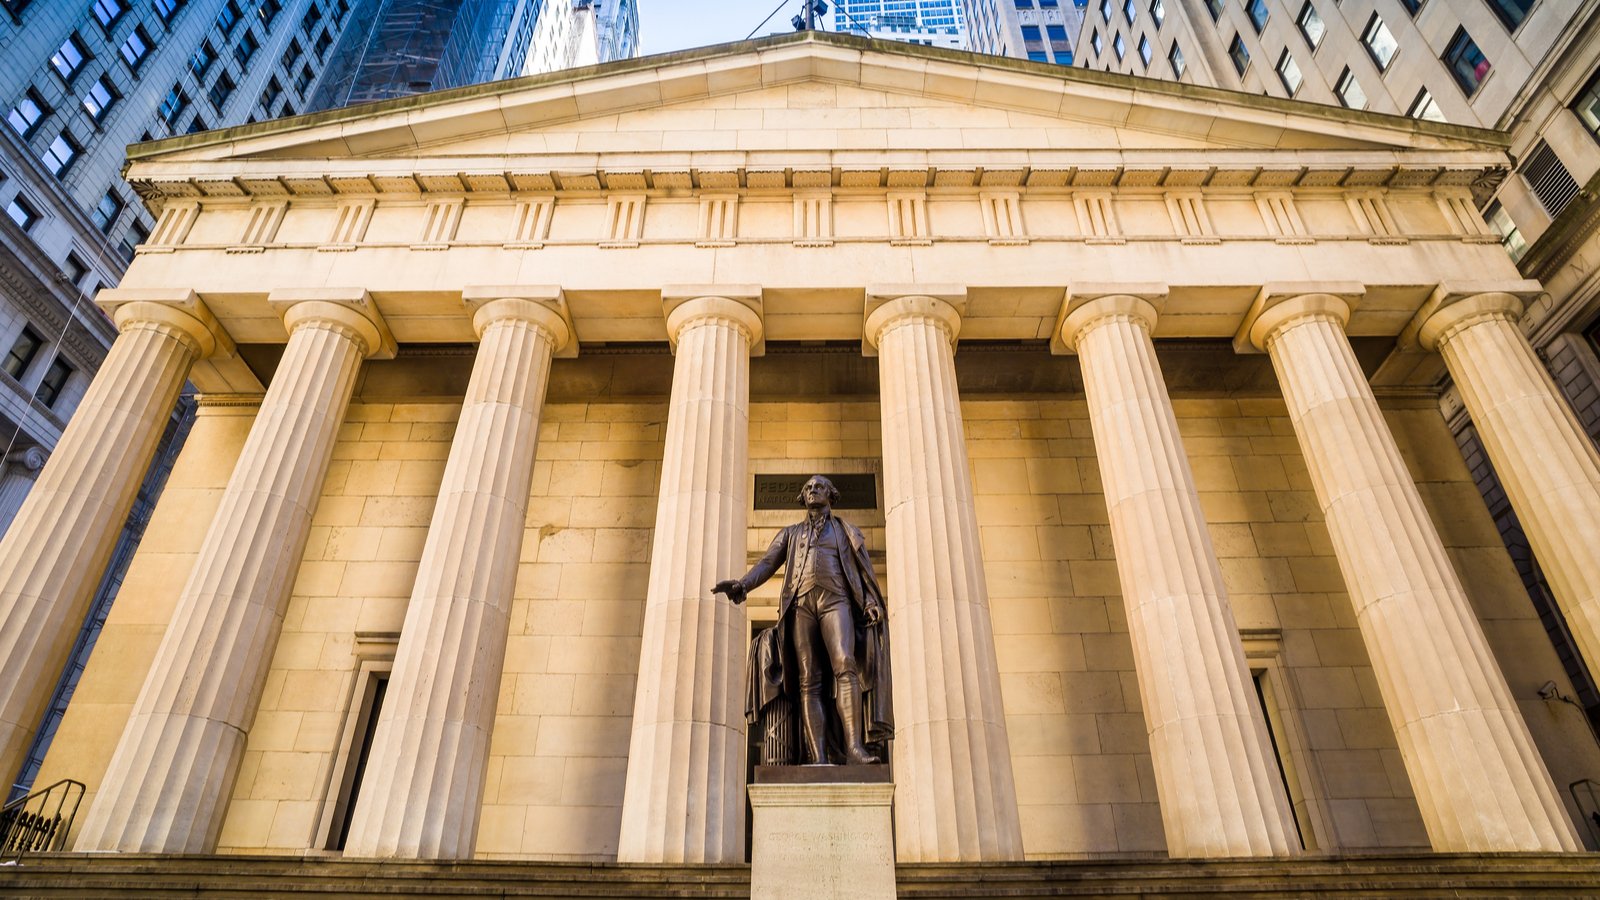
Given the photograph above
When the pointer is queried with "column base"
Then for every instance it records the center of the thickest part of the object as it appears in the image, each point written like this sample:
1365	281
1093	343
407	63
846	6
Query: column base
822	833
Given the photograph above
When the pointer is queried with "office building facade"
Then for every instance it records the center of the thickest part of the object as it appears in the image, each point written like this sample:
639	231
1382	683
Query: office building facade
1038	30
572	33
932	23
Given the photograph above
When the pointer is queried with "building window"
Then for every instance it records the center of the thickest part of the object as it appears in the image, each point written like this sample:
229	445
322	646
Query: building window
1119	45
1158	13
28	113
1289	72
228	16
267	11
1175	57
1587	106
196	124
53	382
246	47
271	94
292	55
220	91
60	154
200	63
1144	50
75	269
136	235
1379	41
1239	55
1105	11
1130	11
360	728
1349	90
1548	179
1510	12
22	352
22	213
1043	4
1311	27
1510	235
97	101
1466	62
173	105
106	212
310	19
1024	4
325	41
107	12
1425	107
1096	43
136	48
1215	8
68	58
166	9
1257	10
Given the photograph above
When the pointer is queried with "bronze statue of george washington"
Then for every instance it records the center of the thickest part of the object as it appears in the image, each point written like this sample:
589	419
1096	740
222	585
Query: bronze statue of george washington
830	622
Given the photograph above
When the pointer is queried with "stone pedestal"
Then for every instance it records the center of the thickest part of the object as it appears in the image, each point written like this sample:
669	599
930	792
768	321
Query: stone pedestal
817	836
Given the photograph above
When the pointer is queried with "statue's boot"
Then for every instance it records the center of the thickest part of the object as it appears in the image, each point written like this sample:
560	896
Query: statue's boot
814	728
848	691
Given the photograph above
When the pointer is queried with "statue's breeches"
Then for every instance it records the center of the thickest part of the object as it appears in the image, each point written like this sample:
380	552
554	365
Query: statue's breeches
824	633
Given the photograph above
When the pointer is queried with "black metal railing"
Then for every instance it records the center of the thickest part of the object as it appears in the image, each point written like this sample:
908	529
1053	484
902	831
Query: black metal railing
40	821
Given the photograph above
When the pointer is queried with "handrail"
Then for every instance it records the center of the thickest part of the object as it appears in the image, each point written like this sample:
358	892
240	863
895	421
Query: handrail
44	829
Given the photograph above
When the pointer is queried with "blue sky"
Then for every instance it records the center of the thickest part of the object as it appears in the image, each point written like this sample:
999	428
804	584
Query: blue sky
666	25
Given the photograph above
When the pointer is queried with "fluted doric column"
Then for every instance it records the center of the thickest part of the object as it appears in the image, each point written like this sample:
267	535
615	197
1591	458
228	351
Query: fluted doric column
1220	792
1478	778
58	545
684	799
955	800
168	783
1544	459
423	785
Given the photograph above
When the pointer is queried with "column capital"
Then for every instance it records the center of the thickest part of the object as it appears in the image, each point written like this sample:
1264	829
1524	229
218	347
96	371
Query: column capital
542	304
683	303
180	309
1454	305
1089	304
888	303
1279	303
351	308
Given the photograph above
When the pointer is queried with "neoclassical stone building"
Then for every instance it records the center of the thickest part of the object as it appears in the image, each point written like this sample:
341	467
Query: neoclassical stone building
1135	384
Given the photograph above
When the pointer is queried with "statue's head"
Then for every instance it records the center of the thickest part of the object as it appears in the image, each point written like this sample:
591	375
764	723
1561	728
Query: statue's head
818	491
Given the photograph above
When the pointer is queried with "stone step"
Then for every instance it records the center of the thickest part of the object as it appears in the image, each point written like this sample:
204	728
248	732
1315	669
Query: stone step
1347	878
1422	875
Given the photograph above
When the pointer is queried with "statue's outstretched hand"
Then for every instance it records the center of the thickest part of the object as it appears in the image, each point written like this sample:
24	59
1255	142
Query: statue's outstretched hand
732	587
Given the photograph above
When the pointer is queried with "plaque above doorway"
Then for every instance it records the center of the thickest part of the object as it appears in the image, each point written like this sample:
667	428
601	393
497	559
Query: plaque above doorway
858	490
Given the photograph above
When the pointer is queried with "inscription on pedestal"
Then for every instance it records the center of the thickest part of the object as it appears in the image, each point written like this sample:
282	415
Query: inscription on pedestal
822	841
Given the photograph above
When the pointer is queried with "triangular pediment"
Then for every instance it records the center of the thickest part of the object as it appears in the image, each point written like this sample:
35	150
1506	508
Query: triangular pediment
819	93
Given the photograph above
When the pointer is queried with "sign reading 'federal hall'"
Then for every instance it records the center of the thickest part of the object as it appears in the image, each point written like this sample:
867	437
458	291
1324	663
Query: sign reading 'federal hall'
1139	380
